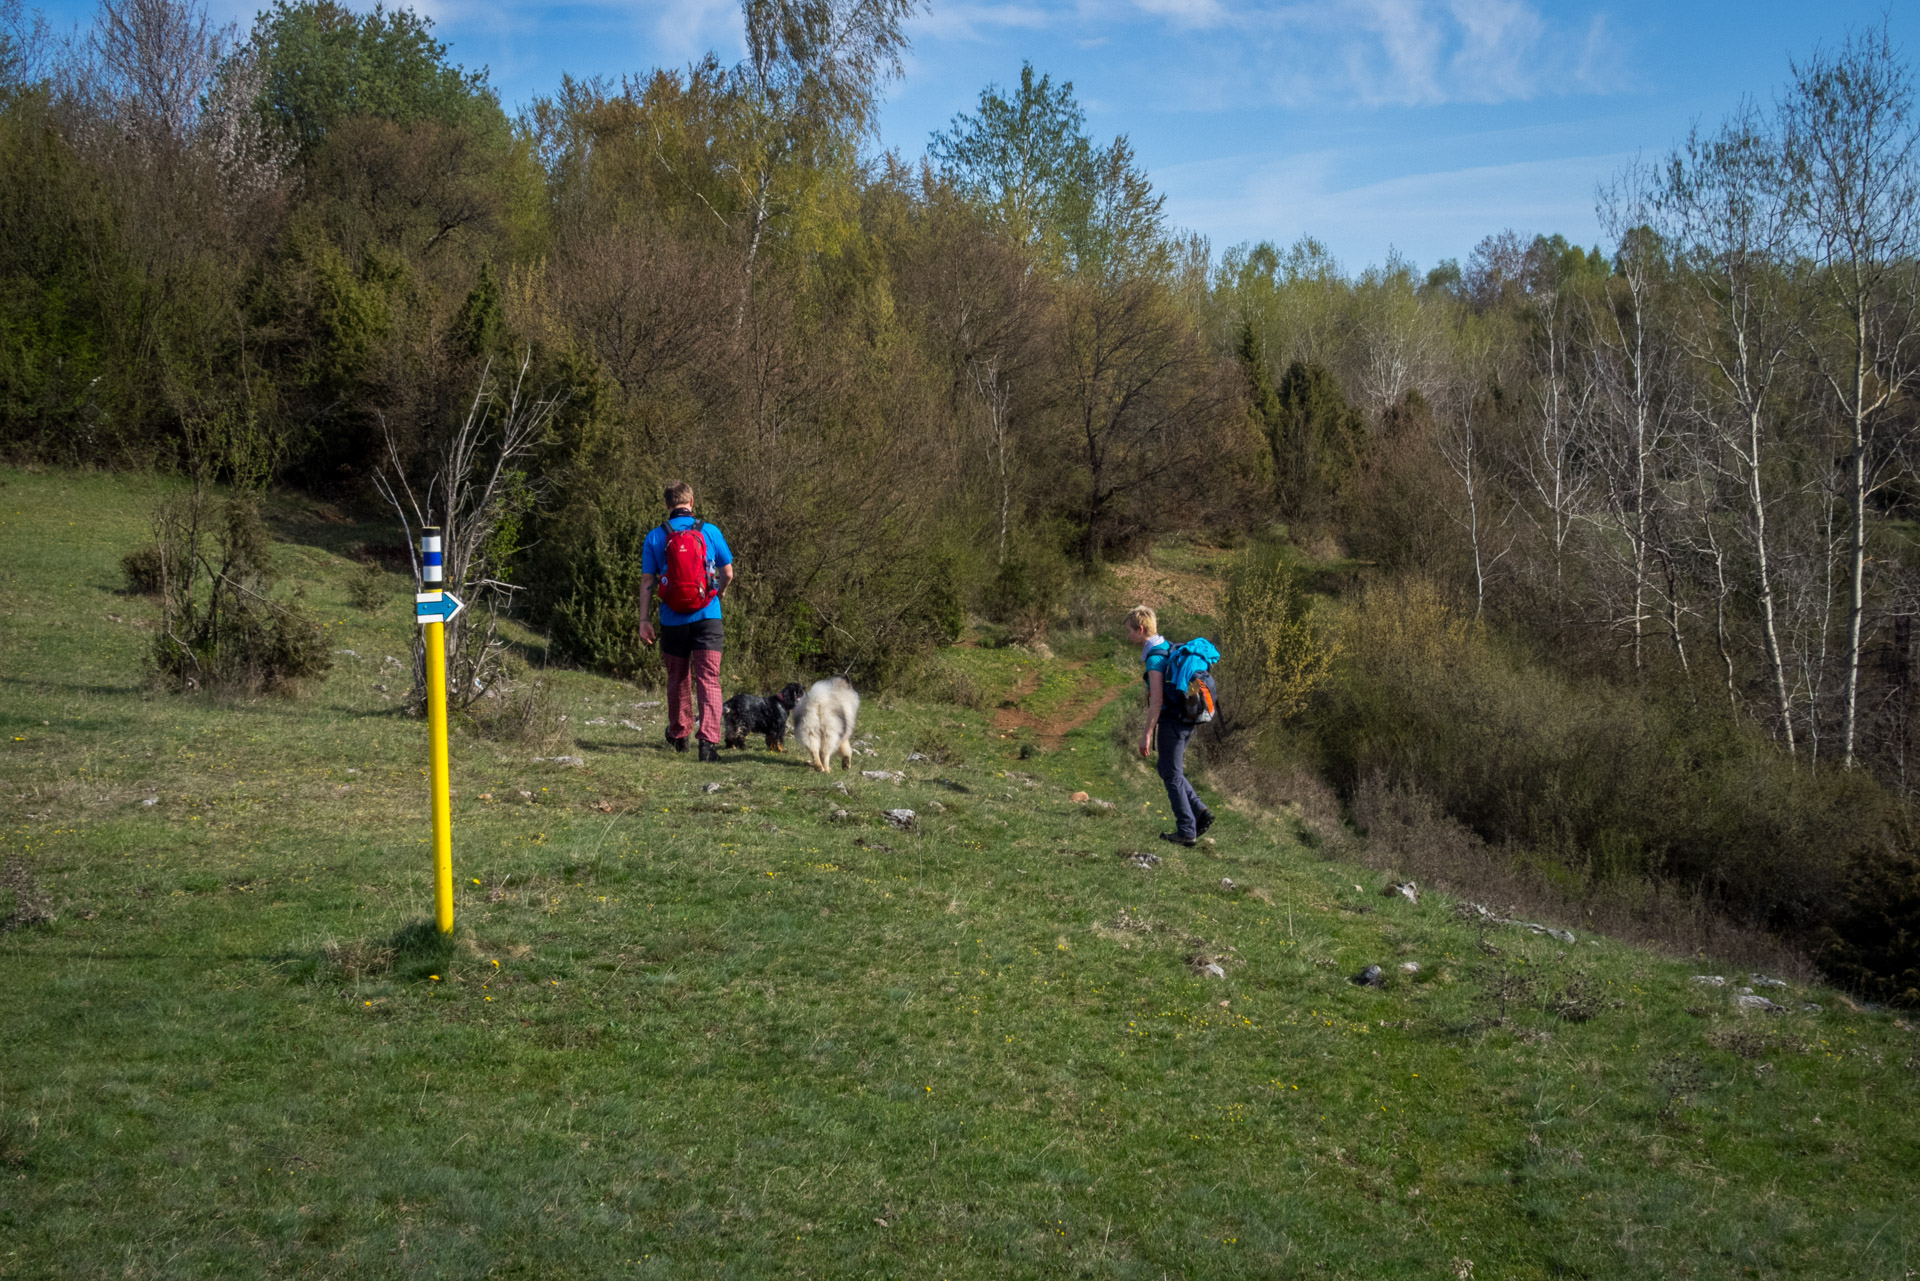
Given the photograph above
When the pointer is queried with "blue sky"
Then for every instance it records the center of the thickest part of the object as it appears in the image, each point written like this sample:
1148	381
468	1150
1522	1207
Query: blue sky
1412	125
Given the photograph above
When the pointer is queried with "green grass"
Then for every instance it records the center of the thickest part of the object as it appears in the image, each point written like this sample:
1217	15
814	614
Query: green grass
691	1034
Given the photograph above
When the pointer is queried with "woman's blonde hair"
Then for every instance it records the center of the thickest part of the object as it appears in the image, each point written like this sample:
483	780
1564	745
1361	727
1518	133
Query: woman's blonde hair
1143	617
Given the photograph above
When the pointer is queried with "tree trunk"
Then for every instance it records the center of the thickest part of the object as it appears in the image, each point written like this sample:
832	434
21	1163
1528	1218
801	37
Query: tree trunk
1857	558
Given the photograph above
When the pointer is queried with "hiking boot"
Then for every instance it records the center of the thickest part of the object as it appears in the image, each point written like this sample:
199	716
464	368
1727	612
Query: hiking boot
1174	838
1202	823
709	753
677	744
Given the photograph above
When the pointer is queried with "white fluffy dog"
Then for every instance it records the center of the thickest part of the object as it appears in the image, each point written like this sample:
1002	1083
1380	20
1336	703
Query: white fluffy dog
823	722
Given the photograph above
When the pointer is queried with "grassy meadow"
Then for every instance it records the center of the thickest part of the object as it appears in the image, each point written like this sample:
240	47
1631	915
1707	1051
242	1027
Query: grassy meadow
685	1032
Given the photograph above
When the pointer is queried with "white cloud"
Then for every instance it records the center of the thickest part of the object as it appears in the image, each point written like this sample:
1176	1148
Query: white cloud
1428	216
976	22
1200	15
685	29
1365	52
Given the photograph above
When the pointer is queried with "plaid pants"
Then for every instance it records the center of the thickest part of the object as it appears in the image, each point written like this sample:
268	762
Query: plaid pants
698	672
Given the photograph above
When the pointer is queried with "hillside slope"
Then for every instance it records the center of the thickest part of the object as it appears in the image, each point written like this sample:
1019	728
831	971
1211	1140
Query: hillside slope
686	1031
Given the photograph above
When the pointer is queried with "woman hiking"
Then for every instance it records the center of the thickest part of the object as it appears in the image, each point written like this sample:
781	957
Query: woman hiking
1166	718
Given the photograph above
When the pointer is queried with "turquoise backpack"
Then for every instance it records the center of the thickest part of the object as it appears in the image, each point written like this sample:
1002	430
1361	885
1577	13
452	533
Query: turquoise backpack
1187	668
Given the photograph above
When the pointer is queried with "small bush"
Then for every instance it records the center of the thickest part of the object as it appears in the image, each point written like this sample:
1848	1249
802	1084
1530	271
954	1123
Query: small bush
145	570
369	589
1272	656
221	627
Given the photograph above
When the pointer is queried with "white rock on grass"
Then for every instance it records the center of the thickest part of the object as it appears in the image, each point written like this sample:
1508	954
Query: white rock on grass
901	819
573	761
1710	980
1213	970
711	788
1748	1001
1761	980
882	776
1405	889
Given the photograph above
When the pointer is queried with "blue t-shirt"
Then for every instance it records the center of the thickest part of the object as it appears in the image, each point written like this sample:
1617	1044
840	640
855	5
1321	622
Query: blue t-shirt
1172	702
653	560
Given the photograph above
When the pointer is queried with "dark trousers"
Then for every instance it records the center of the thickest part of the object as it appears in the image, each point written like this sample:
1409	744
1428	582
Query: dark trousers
1186	803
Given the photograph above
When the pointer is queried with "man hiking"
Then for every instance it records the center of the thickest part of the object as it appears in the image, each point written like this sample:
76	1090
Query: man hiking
1166	719
687	560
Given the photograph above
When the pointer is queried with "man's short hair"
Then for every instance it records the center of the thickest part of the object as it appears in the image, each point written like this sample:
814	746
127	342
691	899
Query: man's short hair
679	494
1143	617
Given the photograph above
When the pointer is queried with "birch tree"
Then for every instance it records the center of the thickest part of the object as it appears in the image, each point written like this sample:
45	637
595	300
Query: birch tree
1636	406
1850	148
1730	211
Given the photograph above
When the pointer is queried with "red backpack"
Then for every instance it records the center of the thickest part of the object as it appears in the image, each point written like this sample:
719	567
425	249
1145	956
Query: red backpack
686	586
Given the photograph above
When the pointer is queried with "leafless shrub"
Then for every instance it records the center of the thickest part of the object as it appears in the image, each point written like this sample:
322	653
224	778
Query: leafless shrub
476	489
368	589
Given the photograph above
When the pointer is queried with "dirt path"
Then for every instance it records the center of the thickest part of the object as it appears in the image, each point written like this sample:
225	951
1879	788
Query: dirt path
1081	707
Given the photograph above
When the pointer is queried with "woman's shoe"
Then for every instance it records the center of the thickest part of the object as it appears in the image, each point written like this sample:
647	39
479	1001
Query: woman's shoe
1174	838
1202	823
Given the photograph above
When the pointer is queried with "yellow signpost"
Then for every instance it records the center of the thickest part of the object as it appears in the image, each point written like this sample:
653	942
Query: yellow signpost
434	608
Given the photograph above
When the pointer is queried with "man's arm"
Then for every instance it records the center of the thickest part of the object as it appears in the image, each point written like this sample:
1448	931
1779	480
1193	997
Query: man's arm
723	578
647	582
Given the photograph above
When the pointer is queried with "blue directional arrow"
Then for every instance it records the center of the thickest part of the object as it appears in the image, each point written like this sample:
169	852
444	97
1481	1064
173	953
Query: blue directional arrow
436	607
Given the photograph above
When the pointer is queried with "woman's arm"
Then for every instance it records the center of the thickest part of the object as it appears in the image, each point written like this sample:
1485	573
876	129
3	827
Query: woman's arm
1155	694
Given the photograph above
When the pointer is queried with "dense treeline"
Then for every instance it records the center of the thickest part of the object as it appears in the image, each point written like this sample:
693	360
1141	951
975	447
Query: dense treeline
1662	487
902	390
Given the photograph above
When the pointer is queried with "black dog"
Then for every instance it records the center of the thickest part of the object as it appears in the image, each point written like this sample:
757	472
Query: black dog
751	714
